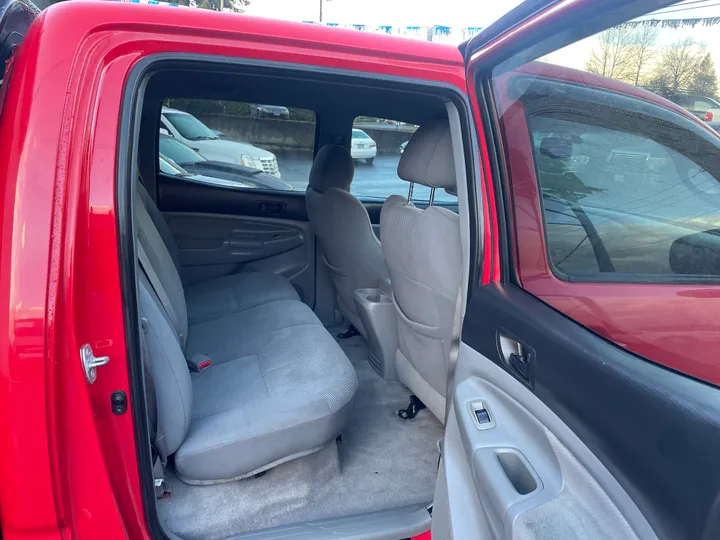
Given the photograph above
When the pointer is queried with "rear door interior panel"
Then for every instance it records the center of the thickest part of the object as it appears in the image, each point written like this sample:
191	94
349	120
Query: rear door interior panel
222	231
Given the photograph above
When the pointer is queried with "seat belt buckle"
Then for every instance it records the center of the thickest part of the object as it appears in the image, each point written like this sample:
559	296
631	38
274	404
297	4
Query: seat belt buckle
162	489
199	362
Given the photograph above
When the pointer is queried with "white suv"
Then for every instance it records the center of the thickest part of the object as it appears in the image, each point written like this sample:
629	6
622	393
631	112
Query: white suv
188	129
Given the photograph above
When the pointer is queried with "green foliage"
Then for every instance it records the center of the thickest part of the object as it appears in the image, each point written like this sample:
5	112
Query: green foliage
230	108
705	82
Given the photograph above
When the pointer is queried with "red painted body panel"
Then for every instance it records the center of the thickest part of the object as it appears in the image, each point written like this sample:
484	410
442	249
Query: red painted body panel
69	466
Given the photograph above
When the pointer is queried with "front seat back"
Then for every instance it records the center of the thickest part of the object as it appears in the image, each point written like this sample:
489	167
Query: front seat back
423	256
351	251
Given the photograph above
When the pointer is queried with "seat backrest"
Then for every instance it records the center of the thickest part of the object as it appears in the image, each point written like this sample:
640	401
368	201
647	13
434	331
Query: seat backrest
423	256
341	223
170	373
162	264
160	223
164	332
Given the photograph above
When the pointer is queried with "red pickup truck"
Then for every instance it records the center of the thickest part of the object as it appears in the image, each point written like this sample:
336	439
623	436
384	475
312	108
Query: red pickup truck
518	343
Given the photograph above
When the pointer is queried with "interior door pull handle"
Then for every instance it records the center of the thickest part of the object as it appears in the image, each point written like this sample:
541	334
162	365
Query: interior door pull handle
518	357
521	364
268	207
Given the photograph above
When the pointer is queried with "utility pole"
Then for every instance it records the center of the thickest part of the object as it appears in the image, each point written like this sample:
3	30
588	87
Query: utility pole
321	5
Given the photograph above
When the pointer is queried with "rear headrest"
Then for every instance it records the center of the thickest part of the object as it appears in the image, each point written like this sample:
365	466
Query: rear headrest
333	167
428	156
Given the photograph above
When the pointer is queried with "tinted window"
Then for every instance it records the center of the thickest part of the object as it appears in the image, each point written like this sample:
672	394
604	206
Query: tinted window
620	202
702	105
240	145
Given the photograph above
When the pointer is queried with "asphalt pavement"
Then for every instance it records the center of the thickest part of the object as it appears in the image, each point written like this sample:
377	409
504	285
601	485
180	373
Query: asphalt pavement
378	179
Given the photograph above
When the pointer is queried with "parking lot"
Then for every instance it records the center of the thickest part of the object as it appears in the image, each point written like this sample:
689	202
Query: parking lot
379	179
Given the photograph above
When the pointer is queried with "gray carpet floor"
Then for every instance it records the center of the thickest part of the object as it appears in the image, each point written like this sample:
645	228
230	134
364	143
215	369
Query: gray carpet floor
383	462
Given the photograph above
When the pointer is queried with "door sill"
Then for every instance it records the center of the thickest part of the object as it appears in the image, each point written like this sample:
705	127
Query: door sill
395	524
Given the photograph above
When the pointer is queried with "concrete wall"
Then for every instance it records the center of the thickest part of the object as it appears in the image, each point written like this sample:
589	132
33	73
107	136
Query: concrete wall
275	134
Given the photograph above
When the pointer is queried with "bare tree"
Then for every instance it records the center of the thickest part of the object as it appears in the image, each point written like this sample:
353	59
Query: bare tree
642	51
679	64
611	57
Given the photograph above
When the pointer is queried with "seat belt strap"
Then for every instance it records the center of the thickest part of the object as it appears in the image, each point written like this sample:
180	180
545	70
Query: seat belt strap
454	350
159	451
159	291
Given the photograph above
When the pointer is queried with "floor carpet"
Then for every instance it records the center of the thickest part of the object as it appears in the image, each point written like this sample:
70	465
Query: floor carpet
382	462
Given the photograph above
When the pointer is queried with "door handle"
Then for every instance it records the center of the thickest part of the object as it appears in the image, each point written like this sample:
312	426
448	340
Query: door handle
268	207
518	357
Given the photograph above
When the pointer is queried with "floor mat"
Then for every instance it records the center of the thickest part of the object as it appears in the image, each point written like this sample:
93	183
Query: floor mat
382	462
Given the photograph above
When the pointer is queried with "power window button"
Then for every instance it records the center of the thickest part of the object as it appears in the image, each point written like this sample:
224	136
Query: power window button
481	415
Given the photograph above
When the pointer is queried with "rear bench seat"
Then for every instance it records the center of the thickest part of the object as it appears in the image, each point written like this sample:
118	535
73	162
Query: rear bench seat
279	386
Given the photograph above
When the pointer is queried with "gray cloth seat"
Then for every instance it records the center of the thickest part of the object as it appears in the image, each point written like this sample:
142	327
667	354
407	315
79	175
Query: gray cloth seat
236	293
224	295
423	255
279	386
239	334
351	251
286	400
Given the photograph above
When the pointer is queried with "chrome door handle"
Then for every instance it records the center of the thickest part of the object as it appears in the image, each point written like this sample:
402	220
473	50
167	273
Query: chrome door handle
90	362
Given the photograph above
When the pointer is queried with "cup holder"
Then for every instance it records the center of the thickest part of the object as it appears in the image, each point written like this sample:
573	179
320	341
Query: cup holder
378	297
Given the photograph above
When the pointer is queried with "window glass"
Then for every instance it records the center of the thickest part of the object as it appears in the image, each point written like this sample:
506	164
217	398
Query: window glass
702	105
610	193
376	147
234	144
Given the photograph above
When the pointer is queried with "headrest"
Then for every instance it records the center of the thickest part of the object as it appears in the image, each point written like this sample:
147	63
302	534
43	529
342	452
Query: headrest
333	167
556	148
428	156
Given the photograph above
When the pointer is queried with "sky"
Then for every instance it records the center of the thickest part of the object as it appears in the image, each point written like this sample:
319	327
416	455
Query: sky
475	13
478	13
576	55
461	13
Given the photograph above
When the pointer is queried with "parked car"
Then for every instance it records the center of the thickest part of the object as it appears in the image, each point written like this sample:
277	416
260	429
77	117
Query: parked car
703	107
269	111
363	146
712	115
715	125
191	131
190	163
556	334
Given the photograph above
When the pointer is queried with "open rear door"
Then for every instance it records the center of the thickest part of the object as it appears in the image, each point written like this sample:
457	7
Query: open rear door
558	429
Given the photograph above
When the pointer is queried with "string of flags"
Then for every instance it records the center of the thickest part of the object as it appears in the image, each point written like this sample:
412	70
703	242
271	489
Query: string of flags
439	33
426	33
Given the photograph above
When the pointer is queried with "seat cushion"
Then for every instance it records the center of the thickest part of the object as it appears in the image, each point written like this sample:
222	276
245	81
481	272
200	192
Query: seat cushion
236	292
234	336
286	400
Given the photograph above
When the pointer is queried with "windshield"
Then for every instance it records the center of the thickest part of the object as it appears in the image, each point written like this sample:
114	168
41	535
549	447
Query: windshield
179	152
167	166
190	127
359	134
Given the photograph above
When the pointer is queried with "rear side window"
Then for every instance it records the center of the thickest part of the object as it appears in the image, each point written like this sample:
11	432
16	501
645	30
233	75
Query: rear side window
617	200
237	145
376	146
